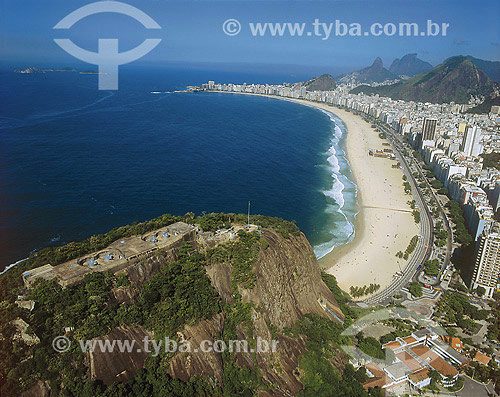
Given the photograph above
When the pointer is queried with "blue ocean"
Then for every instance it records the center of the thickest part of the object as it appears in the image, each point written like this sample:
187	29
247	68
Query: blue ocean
75	161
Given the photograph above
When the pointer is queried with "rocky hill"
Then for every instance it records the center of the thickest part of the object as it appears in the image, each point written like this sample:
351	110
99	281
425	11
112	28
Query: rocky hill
409	66
325	82
456	80
376	73
491	68
227	284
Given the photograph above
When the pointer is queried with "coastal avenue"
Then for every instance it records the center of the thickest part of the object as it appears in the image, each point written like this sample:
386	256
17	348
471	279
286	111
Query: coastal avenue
449	240
424	245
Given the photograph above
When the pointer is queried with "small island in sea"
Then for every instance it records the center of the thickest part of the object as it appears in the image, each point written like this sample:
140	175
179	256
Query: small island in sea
34	70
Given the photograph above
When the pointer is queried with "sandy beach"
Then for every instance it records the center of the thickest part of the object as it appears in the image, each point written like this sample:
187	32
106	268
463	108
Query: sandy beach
384	224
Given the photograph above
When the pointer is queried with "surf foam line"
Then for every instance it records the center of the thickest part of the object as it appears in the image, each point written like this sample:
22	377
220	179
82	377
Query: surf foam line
323	249
344	231
12	265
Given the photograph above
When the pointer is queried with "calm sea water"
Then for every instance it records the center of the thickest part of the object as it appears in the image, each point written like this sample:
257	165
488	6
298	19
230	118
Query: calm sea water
75	161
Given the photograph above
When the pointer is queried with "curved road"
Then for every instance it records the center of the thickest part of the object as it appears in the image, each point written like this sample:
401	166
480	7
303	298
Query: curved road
424	245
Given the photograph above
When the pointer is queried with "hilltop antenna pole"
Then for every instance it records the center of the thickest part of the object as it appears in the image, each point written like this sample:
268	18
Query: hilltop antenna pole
248	218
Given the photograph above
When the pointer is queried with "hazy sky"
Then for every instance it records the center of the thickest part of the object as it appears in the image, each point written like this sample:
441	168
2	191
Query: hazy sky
192	31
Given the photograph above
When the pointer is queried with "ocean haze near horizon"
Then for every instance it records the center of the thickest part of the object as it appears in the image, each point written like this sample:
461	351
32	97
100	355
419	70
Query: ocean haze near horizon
78	162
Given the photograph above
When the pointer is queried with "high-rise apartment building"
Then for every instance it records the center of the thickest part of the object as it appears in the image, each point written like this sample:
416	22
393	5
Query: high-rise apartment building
471	143
487	267
429	129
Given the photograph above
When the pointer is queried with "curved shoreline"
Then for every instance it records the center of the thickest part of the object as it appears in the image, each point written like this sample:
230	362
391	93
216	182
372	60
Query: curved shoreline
368	257
339	176
384	224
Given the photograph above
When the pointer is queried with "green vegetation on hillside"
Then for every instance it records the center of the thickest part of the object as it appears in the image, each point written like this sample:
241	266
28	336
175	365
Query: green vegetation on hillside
370	346
319	376
341	297
241	254
455	80
179	294
485	106
11	280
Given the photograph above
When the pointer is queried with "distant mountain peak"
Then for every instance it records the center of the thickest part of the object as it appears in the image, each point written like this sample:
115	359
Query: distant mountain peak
377	63
409	65
457	79
376	73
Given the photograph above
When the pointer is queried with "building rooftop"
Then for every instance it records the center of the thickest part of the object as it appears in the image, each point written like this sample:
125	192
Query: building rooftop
453	341
409	340
422	333
419	376
397	371
409	361
45	272
113	258
482	358
443	367
392	345
424	353
455	355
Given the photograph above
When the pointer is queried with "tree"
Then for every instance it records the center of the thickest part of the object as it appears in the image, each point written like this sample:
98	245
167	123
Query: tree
432	267
415	289
435	376
480	291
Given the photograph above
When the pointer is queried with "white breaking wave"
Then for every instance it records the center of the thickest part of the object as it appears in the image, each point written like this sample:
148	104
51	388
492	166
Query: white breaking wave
346	229
343	230
333	160
336	192
12	265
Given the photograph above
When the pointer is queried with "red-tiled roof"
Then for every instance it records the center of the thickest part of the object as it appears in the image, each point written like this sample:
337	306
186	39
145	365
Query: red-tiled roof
424	352
392	345
419	376
482	358
453	341
375	369
374	382
409	361
409	339
443	367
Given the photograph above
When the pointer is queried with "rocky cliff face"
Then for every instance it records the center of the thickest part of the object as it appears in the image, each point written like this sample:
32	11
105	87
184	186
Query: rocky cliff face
289	281
117	366
288	286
